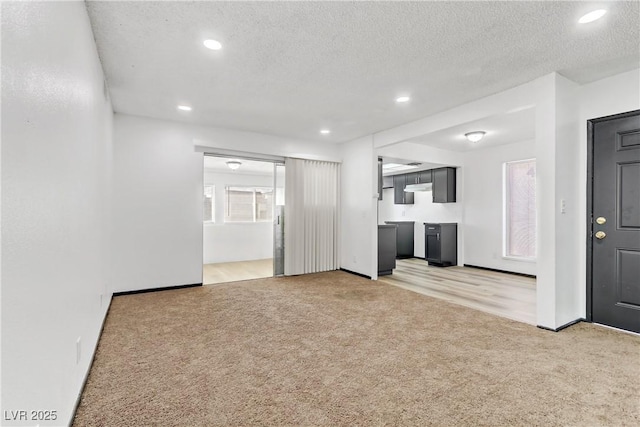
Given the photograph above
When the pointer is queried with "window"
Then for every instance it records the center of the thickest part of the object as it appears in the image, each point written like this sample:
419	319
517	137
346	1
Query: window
209	200
520	209
248	204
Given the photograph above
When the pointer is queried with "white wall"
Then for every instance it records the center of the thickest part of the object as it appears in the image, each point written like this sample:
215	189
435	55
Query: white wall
158	230
422	153
358	204
567	185
424	210
209	139
228	242
56	172
483	206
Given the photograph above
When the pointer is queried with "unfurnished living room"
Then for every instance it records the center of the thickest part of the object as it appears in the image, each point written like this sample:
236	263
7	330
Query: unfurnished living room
306	213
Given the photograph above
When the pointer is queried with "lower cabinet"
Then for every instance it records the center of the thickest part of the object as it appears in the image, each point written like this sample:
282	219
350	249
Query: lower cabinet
441	244
386	249
404	238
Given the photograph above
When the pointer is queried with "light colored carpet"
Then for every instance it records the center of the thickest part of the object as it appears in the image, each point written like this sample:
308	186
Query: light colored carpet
335	349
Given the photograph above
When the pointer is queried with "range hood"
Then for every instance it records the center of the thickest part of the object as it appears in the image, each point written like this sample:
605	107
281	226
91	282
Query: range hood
412	188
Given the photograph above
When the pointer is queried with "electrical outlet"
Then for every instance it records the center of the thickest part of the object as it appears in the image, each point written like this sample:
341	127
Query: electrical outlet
355	260
78	349
563	206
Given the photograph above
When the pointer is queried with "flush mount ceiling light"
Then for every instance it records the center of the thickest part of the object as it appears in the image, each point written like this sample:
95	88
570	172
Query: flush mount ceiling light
396	167
592	16
212	44
402	99
184	108
325	131
233	164
475	136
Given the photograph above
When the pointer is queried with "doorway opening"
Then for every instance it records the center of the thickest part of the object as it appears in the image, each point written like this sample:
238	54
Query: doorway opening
460	216
243	205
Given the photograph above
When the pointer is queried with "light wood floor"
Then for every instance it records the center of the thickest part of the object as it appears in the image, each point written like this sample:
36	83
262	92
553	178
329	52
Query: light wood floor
235	271
505	295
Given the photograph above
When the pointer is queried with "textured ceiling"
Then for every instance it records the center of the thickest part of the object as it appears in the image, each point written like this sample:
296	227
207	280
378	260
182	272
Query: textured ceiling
291	68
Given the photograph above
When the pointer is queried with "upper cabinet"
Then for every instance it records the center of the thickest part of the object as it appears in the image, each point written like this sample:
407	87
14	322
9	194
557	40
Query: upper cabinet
380	178
412	178
444	185
401	197
424	177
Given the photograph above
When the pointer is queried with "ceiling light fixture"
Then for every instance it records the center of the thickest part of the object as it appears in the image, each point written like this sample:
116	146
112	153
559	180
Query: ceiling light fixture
184	108
475	136
401	99
233	164
396	167
592	16
212	44
325	131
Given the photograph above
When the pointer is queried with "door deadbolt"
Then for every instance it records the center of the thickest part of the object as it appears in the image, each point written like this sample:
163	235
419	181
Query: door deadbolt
600	235
601	220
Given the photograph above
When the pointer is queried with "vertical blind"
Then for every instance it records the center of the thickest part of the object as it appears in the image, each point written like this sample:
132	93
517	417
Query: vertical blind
311	216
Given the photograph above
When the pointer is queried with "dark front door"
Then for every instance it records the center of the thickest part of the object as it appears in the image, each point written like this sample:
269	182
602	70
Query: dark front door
615	230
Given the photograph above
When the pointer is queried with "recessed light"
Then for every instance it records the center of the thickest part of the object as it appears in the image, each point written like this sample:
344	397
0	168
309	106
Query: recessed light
213	44
592	16
403	99
184	108
475	136
325	131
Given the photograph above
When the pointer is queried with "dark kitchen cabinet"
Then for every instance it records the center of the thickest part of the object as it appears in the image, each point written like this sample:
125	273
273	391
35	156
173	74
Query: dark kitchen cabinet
404	238
441	244
444	185
379	178
400	197
386	249
412	178
424	177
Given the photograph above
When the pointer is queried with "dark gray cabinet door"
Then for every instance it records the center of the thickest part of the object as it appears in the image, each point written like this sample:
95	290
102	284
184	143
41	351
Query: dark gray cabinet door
404	242
400	196
432	245
615	240
386	249
441	244
379	179
424	177
444	185
412	178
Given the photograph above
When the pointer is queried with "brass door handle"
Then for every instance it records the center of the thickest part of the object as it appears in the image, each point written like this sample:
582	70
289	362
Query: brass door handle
600	235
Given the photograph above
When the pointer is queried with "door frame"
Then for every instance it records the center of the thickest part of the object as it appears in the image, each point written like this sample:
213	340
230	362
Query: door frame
241	155
589	231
